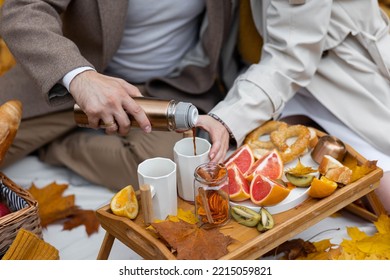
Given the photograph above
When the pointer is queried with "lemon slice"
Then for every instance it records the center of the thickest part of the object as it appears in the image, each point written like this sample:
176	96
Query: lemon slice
125	203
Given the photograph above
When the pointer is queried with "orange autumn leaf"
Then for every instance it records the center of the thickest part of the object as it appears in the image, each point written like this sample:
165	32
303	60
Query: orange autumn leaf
54	206
83	217
191	242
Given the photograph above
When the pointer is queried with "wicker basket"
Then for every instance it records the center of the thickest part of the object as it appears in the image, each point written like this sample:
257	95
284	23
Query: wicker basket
24	213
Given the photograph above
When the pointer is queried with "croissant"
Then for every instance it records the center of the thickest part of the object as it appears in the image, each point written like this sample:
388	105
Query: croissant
10	118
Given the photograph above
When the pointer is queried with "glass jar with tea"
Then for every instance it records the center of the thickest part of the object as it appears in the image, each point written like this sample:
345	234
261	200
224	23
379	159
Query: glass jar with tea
211	192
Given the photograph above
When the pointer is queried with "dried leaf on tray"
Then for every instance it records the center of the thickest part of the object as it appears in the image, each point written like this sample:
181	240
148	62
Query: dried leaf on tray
358	171
300	169
191	242
54	206
186	216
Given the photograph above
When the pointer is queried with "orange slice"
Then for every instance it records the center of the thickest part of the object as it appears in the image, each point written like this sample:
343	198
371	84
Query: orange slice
267	192
322	187
125	203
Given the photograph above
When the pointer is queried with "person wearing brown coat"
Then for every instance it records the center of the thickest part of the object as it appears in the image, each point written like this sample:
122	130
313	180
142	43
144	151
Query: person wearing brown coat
50	39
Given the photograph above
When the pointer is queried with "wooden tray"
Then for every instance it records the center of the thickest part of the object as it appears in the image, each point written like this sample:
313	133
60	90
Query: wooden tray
249	243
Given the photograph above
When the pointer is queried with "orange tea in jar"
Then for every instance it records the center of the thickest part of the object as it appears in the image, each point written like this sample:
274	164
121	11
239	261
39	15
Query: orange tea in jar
211	191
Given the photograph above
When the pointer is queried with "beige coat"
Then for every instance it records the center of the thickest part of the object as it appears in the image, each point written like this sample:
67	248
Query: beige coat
339	50
92	32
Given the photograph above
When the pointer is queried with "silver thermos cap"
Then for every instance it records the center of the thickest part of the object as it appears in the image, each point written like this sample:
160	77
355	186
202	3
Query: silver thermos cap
186	116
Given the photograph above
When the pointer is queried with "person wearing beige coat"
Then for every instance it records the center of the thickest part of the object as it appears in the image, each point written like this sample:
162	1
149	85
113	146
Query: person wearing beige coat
328	60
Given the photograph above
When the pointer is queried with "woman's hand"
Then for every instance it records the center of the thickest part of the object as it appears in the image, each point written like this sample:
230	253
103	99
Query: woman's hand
219	137
108	99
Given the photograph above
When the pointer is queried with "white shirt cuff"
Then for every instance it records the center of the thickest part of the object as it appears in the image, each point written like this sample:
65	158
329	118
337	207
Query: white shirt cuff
67	79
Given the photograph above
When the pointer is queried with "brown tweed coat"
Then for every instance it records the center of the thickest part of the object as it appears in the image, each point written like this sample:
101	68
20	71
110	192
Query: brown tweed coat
50	38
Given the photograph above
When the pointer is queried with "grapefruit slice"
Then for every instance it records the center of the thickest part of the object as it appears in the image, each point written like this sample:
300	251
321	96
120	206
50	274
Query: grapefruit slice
242	157
238	185
270	165
267	192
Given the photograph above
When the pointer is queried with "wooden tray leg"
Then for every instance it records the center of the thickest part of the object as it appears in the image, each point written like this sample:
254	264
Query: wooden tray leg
105	249
376	204
373	210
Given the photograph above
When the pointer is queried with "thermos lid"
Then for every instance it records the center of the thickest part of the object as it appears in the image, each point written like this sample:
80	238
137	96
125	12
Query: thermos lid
186	115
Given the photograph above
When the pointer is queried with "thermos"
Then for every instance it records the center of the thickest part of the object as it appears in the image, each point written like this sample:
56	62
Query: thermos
168	115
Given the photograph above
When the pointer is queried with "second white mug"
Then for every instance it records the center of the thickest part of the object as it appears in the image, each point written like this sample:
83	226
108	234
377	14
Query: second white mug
187	162
160	174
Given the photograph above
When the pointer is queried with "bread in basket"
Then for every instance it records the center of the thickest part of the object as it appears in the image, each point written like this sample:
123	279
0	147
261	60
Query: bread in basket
24	208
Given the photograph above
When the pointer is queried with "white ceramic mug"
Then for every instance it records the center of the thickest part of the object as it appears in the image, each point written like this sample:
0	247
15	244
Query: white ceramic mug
160	174
187	162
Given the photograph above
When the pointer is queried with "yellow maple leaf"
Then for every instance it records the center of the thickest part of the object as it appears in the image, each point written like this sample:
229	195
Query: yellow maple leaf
377	244
361	246
323	245
359	170
383	224
186	216
365	247
356	234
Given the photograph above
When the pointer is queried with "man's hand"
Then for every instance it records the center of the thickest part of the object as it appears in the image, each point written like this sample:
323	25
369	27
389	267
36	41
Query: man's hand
108	99
219	137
